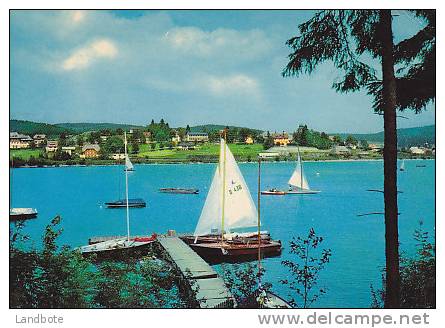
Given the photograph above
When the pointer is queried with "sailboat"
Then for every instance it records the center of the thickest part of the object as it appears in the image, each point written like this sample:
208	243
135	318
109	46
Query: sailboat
128	163
132	202
229	207
298	183
120	245
402	165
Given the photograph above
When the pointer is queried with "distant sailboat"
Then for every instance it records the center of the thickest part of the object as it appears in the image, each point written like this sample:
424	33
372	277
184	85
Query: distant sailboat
123	203
402	165
298	183
128	163
229	206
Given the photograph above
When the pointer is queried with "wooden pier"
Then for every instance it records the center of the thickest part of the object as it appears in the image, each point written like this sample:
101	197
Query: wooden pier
210	289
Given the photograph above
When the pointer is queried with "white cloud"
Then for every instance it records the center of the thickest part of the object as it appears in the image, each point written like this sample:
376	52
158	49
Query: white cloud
238	84
194	41
85	56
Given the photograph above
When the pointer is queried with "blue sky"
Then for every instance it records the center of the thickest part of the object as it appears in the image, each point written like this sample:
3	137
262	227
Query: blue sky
188	67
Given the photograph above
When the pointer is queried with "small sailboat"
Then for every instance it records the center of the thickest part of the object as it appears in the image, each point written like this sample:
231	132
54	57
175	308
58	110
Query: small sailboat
402	165
128	163
298	184
120	246
228	207
123	203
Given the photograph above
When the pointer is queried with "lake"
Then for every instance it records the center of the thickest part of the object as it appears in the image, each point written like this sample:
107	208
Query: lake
357	243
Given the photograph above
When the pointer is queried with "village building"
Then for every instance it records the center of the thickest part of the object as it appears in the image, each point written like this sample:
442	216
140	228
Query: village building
51	146
147	136
340	150
39	139
417	151
197	137
117	156
69	150
281	139
375	147
19	141
176	139
186	146
249	140
90	151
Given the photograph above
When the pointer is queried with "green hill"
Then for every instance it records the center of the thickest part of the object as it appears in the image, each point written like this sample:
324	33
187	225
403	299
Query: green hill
215	127
85	127
31	128
406	137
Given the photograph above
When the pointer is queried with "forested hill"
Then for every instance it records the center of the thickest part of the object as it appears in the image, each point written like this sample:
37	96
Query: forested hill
85	127
31	128
214	127
406	137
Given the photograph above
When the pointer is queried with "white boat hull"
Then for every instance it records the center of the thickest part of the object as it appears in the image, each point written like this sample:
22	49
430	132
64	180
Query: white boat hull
302	192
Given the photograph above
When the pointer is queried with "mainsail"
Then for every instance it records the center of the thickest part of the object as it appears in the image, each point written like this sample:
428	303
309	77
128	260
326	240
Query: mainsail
298	178
239	208
128	164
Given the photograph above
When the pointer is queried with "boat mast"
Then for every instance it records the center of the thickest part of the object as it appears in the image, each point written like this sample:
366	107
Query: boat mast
126	190
223	185
259	221
301	169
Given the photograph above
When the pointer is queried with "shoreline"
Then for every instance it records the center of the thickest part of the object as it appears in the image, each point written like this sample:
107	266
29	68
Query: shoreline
201	163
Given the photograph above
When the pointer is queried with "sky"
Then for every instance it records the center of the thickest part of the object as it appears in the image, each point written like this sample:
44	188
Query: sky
187	67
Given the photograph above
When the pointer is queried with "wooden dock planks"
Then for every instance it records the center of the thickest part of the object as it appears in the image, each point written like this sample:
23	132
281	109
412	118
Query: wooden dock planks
210	288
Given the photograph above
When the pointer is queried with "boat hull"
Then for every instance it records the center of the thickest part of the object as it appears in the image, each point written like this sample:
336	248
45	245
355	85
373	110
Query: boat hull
22	214
273	193
251	237
214	253
178	191
122	203
118	248
302	192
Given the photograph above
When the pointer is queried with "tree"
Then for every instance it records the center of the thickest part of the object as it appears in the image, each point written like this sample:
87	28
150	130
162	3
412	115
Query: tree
364	144
350	140
80	140
135	146
113	145
243	282
343	36
306	269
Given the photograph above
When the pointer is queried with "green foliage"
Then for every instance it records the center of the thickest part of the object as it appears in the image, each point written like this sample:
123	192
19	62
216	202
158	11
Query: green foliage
306	269
343	36
243	282
310	138
87	127
57	277
417	274
31	128
113	145
160	131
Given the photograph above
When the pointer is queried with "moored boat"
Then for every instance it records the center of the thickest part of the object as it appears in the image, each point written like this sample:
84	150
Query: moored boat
118	247
121	246
229	207
122	203
273	191
20	213
179	190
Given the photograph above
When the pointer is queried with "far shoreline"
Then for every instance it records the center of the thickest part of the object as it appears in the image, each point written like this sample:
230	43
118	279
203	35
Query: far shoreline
215	162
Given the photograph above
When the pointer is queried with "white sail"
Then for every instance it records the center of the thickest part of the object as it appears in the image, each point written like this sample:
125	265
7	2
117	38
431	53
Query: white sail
402	166
128	164
239	208
298	178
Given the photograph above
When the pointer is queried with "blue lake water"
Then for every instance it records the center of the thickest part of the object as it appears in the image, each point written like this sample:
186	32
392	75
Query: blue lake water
357	243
